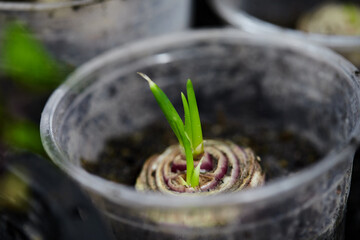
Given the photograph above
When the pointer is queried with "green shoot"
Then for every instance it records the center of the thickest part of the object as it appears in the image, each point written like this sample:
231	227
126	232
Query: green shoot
188	156
183	182
187	117
196	137
195	177
188	134
167	108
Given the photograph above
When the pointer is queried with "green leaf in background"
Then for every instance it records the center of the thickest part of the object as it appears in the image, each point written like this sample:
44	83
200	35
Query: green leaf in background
23	134
26	61
353	12
14	192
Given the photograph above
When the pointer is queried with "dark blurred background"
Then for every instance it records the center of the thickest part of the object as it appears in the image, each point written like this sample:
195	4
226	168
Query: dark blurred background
28	75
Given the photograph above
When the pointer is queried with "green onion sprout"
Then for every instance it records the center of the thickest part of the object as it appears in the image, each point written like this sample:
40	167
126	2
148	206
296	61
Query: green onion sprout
189	134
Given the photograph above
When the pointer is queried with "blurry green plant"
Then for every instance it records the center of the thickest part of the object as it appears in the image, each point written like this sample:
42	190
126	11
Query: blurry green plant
14	192
353	12
26	61
25	68
23	134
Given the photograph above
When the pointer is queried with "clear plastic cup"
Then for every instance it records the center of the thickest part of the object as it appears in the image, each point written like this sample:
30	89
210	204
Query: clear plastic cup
279	16
75	31
252	80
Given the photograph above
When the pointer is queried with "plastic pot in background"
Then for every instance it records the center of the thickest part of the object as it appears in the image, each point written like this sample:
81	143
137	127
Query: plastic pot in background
37	201
251	81
41	42
75	31
279	17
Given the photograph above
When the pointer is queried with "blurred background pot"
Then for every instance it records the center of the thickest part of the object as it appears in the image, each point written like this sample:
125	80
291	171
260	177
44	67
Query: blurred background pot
250	82
42	41
75	31
38	201
280	16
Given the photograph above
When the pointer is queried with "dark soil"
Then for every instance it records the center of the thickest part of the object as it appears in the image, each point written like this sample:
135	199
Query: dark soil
282	152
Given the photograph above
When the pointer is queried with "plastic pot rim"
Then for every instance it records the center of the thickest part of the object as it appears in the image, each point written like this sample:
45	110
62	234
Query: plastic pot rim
243	21
44	6
123	195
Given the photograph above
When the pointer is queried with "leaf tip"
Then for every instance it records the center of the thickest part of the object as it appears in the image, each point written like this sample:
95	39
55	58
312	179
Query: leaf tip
146	77
189	82
183	96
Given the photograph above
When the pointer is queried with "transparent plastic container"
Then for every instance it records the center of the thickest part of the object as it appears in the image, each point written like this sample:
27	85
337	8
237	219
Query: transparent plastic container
75	31
249	79
278	16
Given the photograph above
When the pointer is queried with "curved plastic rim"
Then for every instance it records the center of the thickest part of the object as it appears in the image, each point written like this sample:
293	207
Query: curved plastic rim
43	6
248	23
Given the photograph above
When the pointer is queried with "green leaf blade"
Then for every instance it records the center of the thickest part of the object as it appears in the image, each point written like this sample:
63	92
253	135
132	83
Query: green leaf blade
188	129
166	107
197	139
188	153
195	178
189	161
184	132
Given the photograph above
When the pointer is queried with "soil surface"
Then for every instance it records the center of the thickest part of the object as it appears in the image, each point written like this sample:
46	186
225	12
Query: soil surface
281	153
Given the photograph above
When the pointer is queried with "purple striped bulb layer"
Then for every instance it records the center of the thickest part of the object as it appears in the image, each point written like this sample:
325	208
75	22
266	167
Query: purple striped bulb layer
225	167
